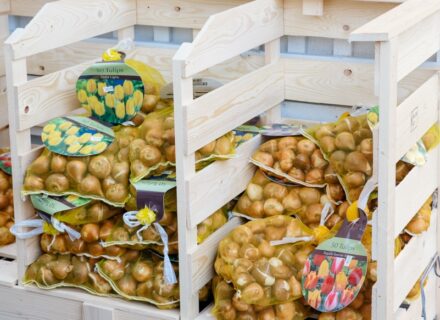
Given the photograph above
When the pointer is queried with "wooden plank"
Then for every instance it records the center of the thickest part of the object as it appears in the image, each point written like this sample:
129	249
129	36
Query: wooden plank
36	306
203	257
181	14
185	170
339	81
8	273
413	260
27	7
313	7
416	115
414	190
20	143
414	311
418	44
4	33
220	182
387	180
47	97
232	105
9	251
234	31
5	7
396	21
64	22
340	17
96	312
335	81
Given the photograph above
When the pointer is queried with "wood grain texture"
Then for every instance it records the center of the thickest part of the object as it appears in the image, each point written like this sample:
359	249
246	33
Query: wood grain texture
232	105
340	17
313	7
203	256
396	21
185	170
64	22
234	31
182	13
27	8
418	44
386	276
409	199
220	182
416	115
48	97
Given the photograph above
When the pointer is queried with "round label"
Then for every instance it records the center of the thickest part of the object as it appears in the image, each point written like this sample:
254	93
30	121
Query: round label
76	136
111	91
332	277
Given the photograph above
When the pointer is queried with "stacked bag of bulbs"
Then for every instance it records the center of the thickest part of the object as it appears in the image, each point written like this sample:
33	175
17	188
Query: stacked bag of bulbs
103	189
305	185
6	199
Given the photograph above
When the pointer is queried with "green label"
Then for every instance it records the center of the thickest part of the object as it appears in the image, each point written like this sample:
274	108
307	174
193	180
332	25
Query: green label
111	91
343	245
76	136
52	205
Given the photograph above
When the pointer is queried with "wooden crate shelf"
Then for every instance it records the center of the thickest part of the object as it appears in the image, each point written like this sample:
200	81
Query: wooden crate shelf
254	83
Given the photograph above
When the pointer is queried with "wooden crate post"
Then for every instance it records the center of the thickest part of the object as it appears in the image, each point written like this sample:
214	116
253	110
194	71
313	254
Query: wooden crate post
185	170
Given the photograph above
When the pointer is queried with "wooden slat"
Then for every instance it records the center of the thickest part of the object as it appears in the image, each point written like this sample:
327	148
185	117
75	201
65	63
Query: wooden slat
396	21
65	22
413	260
234	31
340	81
8	273
233	104
181	14
204	255
336	81
92	311
313	7
27	7
414	190
9	251
340	17
48	97
416	115
220	182
417	45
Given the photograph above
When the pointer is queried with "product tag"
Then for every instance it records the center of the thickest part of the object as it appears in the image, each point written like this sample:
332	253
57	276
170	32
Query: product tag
5	163
76	136
281	130
111	91
52	204
334	273
201	86
152	192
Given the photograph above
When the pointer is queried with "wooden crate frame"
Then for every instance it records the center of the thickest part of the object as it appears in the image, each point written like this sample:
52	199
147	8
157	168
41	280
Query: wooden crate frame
339	81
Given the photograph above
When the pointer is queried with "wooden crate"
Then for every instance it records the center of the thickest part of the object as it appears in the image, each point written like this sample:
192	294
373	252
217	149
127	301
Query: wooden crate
254	84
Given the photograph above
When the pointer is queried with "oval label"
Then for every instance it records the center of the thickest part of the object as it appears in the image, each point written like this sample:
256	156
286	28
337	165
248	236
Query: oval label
112	92
76	136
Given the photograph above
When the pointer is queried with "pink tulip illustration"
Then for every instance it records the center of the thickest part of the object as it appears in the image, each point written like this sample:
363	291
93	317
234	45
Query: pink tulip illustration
337	265
331	302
